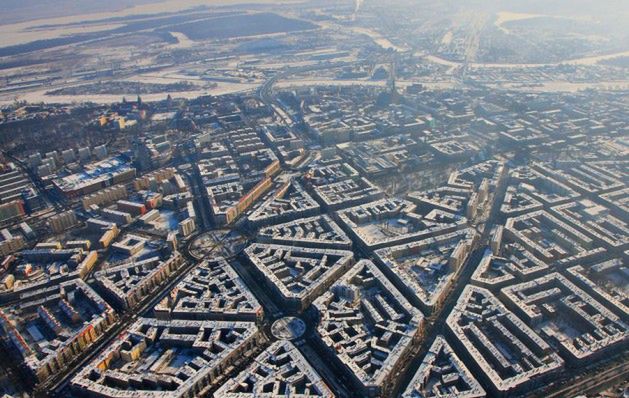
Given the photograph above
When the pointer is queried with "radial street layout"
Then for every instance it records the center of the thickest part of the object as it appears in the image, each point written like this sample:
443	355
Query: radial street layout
367	199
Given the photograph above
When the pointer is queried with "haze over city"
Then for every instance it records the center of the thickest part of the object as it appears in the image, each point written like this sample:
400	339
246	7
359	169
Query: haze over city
314	198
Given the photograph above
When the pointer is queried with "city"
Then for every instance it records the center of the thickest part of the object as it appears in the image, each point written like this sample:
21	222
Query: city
314	199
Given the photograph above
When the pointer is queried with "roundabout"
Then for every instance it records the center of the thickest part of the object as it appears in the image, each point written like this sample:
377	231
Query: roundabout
288	328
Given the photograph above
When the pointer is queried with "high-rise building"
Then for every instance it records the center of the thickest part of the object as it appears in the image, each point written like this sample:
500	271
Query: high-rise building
11	210
62	221
187	227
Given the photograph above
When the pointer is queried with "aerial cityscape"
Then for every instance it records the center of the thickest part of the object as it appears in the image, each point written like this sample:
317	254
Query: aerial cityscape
314	198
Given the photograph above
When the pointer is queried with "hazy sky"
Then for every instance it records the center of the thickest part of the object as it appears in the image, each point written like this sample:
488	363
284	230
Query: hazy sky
25	10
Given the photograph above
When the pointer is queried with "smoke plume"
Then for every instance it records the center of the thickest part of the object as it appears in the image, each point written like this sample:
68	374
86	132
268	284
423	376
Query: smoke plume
358	3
